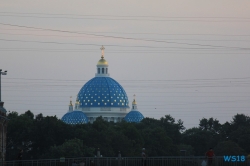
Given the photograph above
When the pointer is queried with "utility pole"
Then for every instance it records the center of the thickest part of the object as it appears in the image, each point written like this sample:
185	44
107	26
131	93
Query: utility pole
3	118
1	73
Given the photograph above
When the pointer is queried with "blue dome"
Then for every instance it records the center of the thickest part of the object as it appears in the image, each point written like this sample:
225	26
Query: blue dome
134	116
75	117
102	92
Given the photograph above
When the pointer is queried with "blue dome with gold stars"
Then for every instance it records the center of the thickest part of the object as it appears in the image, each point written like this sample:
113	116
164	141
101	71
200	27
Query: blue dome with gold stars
75	117
134	116
102	92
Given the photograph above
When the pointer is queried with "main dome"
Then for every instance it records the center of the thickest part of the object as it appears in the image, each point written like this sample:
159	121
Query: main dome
75	117
102	92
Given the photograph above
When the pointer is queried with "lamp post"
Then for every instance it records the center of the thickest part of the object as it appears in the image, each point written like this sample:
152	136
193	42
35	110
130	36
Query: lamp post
3	118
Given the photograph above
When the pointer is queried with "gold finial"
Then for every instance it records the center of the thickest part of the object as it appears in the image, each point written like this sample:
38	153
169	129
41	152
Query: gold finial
134	102
102	48
77	100
70	103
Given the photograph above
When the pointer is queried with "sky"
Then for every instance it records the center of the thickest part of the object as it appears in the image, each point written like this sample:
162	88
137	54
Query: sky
189	59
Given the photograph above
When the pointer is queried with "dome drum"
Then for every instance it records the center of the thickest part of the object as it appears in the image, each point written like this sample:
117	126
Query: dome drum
102	109
115	113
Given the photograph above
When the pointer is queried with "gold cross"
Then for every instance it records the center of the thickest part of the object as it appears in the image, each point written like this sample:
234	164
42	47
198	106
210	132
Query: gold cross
102	48
70	100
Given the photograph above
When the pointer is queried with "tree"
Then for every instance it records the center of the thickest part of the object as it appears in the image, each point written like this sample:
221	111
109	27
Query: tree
240	120
189	150
70	148
172	128
199	139
19	131
134	135
157	143
238	131
228	148
210	124
46	132
29	114
241	136
43	137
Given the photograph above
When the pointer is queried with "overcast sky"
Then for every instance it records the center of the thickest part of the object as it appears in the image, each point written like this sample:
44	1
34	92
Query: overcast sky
189	59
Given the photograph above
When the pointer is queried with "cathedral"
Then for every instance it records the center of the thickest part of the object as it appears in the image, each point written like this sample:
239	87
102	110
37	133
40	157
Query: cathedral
102	96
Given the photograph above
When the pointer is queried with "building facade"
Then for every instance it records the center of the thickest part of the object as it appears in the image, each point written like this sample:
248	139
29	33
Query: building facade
101	96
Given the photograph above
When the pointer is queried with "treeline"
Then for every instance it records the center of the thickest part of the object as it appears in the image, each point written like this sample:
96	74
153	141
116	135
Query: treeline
48	137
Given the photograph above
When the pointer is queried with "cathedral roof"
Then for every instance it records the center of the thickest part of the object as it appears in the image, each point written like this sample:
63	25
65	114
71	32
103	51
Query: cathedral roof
75	117
102	92
134	116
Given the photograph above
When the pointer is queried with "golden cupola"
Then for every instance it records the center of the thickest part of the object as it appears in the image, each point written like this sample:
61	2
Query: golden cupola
102	66
134	104
102	62
70	105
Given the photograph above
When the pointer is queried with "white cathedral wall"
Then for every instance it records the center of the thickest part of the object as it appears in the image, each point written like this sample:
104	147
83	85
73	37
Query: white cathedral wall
102	75
114	114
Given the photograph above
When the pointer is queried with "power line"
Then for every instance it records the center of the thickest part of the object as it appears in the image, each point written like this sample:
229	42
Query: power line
231	40
141	80
131	19
131	52
141	96
123	15
127	38
135	18
46	42
167	49
140	33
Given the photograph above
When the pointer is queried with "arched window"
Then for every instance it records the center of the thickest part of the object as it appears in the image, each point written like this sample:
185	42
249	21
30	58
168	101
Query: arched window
106	70
98	70
102	70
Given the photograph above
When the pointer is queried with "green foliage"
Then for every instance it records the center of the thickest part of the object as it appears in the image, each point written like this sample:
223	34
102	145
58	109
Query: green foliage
228	148
199	139
49	137
187	150
210	124
158	143
29	114
19	127
70	148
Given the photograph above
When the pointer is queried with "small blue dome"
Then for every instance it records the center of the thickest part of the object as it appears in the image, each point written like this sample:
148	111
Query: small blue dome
102	92
134	116
75	117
